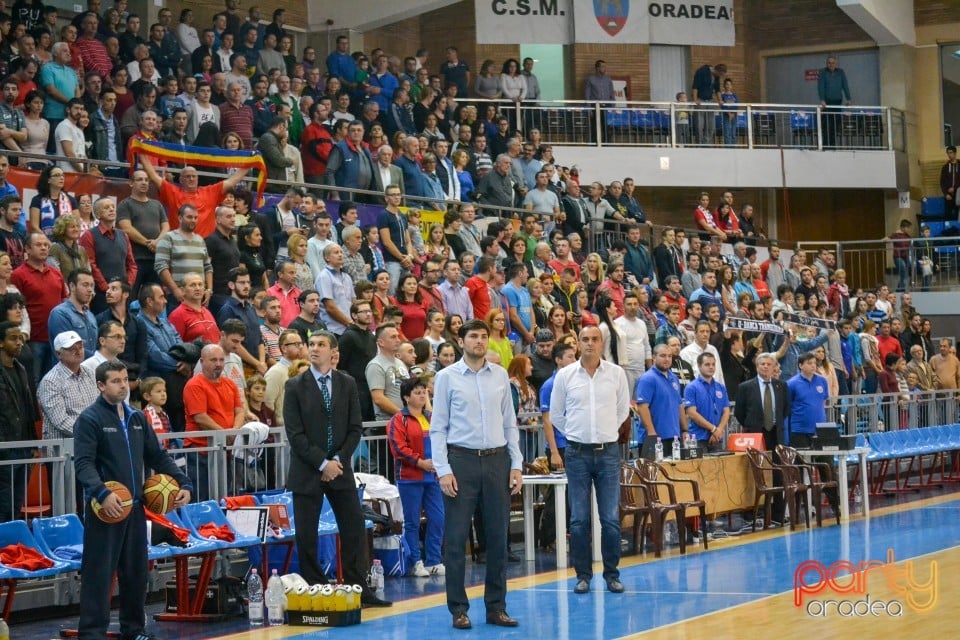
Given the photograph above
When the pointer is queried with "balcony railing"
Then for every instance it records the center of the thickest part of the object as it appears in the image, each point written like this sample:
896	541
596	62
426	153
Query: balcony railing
743	126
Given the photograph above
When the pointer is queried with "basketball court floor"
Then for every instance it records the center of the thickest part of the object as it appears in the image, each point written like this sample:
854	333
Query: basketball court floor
905	559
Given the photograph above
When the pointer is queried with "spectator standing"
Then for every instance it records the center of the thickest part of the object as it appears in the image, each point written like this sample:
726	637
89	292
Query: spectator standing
109	251
833	91
949	183
67	389
706	89
17	416
144	221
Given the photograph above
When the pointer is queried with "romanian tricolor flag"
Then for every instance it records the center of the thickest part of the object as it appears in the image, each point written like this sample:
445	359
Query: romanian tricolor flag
206	157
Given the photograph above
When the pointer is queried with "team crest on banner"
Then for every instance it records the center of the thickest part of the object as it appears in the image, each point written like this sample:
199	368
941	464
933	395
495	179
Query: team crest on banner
611	14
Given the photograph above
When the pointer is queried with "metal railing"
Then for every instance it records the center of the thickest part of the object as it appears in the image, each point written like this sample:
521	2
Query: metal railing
918	264
893	411
675	124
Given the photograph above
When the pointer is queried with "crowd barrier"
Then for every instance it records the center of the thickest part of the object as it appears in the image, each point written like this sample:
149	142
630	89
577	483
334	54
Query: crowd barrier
673	124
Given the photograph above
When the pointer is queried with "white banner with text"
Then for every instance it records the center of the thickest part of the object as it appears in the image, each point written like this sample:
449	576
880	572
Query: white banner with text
704	23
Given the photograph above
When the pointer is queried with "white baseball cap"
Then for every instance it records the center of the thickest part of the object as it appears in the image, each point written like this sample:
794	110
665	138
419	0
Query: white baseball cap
66	340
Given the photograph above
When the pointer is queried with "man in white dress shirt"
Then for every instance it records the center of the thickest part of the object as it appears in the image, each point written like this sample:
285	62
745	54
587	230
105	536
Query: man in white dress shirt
701	344
589	402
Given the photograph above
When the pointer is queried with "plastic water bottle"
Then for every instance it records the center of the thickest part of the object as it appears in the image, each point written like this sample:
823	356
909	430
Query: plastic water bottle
255	598
376	578
658	450
275	600
675	454
880	426
858	499
4	630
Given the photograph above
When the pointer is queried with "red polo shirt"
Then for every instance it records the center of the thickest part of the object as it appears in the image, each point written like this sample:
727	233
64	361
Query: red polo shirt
43	289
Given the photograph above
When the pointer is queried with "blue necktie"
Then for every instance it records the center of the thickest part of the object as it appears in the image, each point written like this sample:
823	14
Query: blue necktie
324	381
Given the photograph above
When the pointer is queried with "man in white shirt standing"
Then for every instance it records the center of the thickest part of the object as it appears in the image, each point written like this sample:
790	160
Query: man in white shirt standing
639	356
701	344
70	139
589	402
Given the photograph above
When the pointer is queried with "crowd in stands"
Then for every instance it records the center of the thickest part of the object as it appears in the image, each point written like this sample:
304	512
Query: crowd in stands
147	280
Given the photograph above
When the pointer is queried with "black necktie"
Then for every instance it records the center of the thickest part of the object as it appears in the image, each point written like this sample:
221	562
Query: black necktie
767	406
324	381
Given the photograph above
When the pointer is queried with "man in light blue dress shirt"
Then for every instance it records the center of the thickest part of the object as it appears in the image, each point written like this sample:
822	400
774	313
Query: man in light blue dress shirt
476	451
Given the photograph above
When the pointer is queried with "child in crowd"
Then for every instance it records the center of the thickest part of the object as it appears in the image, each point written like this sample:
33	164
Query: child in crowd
729	98
682	120
153	392
416	239
256	392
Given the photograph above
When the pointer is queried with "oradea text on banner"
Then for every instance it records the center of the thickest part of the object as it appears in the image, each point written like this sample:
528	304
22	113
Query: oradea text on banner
705	23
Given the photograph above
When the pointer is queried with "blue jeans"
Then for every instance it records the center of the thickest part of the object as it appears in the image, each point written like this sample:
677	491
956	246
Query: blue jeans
729	129
601	470
425	495
43	359
395	269
903	273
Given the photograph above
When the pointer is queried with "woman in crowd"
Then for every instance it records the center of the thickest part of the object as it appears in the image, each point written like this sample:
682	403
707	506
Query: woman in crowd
421	109
68	34
66	254
297	253
744	283
728	294
125	97
423	357
431	130
499	342
487	84
540	303
51	201
440	111
187	36
410	301
408	434
825	368
557	322
446	355
614	342
85	212
434	333
371	252
460	160
8	289
525	401
381	294
593	274
250	244
38	130
735	366
518	247
587	317
451	331
109	25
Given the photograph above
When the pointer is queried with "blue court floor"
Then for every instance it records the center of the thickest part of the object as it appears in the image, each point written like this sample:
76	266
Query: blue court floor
660	592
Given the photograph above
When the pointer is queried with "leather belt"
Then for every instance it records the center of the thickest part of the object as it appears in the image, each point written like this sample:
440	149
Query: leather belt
476	452
589	446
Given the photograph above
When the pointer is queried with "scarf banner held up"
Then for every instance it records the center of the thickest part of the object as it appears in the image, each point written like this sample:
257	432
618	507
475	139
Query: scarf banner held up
754	326
206	157
808	321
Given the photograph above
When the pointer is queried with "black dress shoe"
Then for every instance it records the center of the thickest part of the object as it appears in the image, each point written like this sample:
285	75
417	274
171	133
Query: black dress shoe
614	585
501	619
461	621
370	600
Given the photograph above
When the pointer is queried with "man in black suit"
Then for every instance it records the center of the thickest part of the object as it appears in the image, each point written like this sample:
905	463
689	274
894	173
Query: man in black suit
762	407
321	413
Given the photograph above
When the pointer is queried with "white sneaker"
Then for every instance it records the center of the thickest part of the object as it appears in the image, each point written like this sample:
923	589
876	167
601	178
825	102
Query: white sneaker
419	570
437	570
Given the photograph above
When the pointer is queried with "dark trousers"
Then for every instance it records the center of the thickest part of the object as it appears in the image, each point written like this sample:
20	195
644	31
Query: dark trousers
353	551
145	274
548	525
120	547
830	123
843	383
598	469
13	483
484	482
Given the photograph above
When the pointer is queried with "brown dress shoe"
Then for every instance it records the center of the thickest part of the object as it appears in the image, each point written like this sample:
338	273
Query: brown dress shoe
461	621
501	619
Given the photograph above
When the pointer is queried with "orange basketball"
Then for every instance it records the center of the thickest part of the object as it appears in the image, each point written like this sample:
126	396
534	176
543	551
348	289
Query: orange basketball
126	502
160	493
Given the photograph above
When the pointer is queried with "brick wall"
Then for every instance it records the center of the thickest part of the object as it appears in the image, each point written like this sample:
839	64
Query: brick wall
203	11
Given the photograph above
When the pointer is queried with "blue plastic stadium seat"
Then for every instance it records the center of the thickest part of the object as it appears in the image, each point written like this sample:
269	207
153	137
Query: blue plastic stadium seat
58	531
17	531
197	514
195	544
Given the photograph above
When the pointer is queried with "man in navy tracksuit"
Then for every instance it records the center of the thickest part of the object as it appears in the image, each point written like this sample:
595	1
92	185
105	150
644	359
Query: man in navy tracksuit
113	441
